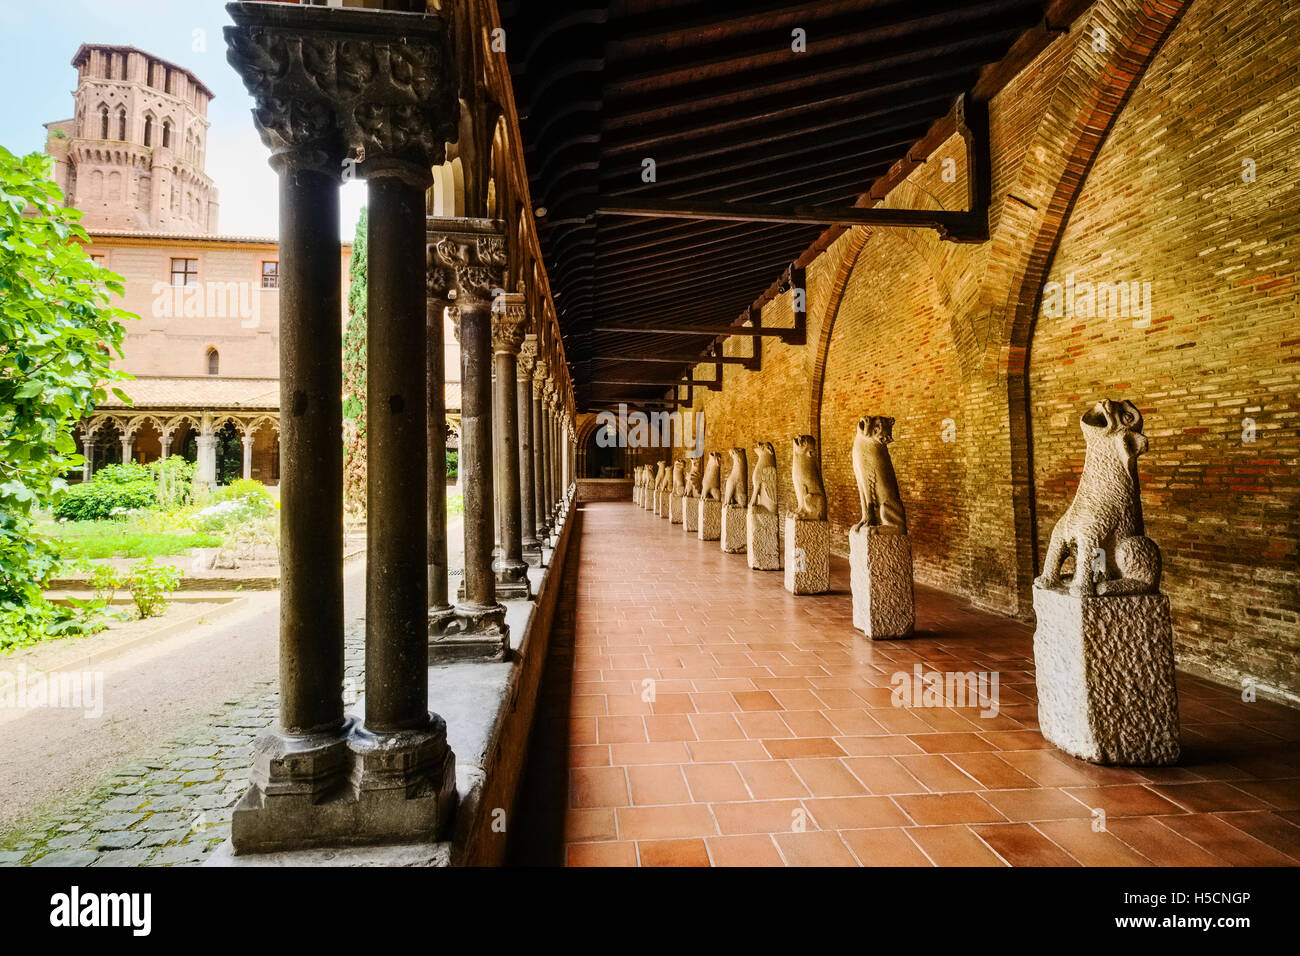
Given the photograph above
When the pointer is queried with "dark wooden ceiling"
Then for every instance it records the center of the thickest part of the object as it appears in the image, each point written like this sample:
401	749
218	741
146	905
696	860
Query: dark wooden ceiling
712	91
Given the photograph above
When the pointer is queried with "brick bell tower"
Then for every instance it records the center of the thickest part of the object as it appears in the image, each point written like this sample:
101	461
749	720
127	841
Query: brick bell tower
132	156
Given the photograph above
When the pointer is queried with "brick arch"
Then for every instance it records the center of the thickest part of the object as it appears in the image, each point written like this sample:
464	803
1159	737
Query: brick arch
1084	109
857	240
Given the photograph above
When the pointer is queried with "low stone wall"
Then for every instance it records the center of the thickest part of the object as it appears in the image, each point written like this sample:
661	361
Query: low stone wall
478	838
604	489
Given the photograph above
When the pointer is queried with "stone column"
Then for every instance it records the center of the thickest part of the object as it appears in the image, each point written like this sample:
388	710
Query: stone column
331	86
247	439
532	548
474	251
165	440
206	472
441	613
540	503
509	325
88	453
397	584
128	439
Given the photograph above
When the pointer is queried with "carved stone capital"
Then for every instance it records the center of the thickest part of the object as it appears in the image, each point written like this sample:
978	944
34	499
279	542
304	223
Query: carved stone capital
527	358
453	313
541	371
331	85
473	251
509	322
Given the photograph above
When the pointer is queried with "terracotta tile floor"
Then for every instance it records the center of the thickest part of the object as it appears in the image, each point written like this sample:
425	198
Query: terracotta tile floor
694	713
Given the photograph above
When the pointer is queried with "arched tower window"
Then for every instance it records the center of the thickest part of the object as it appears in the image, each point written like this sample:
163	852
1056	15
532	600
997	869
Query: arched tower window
148	130
121	117
103	122
167	133
214	362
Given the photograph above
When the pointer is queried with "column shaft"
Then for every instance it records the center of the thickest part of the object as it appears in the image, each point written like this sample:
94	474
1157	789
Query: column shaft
397	679
510	569
311	455
527	502
542	526
475	451
436	412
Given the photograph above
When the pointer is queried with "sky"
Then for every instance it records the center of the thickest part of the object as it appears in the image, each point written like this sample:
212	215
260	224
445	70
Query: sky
39	37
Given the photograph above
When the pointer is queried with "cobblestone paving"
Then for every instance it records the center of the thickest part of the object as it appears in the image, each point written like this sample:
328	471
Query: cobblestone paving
174	808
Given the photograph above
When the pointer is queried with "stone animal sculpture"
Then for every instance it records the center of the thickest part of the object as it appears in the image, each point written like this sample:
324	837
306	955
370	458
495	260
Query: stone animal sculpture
737	488
806	473
712	476
693	479
1105	518
679	477
661	475
882	506
763	497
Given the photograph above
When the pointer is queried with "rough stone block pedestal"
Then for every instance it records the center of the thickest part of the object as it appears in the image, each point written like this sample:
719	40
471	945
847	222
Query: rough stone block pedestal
763	540
807	555
880	576
733	529
1105	673
675	509
659	503
690	515
709	519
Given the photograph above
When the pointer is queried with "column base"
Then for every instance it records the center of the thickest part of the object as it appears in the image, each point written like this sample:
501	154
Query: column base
709	518
763	540
807	555
476	633
690	515
733	529
512	580
675	509
440	618
880	576
532	553
1104	668
348	789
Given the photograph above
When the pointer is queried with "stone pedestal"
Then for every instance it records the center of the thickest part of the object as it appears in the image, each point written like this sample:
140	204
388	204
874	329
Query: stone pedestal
1105	673
665	505
709	519
733	529
675	509
691	515
807	555
658	503
880	576
763	540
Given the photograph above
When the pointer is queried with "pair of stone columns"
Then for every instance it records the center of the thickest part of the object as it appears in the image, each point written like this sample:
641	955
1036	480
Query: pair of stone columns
348	84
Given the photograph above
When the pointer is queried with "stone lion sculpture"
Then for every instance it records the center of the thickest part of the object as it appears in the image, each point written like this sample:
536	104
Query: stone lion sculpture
737	488
806	473
693	479
679	477
763	487
1105	518
661	475
878	495
708	488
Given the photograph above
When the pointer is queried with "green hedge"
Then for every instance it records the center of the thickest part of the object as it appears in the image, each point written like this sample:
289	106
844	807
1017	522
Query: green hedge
95	499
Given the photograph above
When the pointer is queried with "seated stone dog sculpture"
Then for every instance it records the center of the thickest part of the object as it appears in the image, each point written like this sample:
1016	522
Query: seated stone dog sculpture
1105	519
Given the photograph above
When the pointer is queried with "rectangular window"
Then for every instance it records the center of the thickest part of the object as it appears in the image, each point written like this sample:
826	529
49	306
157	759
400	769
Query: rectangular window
270	275
185	272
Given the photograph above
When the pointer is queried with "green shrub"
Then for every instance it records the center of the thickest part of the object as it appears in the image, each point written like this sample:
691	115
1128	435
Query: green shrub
175	479
453	463
104	499
150	584
245	488
129	474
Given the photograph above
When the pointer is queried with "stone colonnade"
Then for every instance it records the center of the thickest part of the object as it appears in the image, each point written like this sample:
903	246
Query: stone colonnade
167	425
372	93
